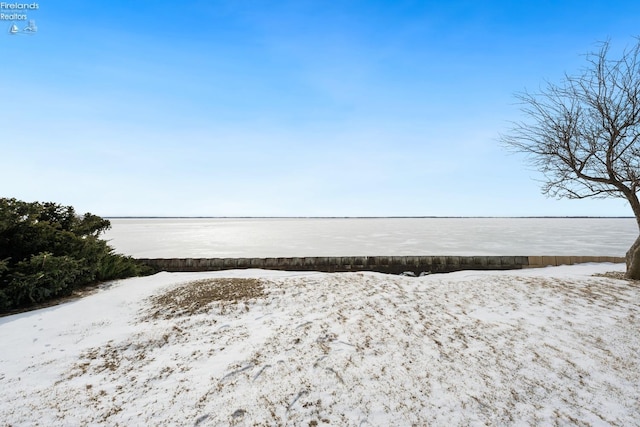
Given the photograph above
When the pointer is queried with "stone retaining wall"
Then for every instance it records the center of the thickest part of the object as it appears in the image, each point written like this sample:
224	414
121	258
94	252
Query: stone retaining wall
545	261
382	264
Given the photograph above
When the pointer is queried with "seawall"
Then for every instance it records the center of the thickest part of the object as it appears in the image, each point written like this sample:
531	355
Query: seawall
381	264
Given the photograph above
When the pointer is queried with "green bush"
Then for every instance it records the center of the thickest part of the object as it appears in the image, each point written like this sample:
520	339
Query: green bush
43	277
47	251
5	301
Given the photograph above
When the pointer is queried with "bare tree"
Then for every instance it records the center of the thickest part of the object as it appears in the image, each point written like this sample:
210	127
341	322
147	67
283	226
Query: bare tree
584	134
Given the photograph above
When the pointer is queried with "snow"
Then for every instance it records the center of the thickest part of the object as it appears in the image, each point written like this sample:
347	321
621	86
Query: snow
524	347
302	237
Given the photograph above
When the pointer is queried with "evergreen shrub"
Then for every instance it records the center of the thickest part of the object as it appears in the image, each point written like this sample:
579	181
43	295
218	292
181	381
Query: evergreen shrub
48	251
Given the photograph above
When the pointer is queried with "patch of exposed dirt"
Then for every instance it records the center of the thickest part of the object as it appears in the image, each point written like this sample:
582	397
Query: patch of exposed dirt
195	297
616	275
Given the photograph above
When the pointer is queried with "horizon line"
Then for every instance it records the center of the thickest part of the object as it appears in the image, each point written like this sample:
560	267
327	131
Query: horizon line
366	217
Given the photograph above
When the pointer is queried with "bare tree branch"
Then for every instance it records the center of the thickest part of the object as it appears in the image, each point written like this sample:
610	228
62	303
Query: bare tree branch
584	133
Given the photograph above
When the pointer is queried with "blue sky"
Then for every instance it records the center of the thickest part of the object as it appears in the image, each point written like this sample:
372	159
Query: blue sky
289	108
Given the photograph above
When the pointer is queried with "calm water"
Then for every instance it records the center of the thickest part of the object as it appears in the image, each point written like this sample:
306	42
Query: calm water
286	237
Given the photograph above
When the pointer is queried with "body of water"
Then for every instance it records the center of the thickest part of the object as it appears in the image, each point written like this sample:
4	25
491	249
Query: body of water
289	237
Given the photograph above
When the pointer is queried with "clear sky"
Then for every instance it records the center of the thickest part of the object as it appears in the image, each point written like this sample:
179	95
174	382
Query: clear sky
288	108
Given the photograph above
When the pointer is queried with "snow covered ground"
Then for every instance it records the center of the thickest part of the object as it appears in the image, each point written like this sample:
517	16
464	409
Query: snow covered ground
553	346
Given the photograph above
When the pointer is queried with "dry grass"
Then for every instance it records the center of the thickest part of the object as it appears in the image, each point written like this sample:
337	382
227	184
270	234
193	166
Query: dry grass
361	349
196	297
616	275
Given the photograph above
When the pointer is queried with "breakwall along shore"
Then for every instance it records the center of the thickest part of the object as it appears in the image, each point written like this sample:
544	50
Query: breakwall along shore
380	264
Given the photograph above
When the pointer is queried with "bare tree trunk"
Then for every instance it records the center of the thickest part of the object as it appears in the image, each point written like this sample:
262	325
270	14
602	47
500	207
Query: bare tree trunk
633	254
633	261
